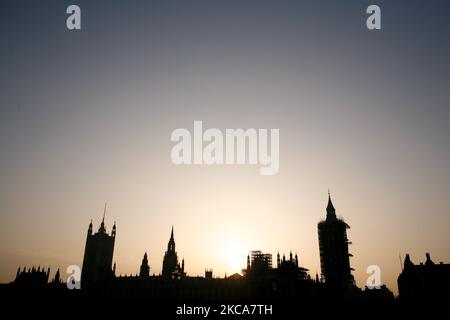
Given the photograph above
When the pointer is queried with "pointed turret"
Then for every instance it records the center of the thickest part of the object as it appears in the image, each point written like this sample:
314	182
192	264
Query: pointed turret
90	229
429	262
113	232
407	263
171	244
57	278
331	211
145	269
102	228
171	266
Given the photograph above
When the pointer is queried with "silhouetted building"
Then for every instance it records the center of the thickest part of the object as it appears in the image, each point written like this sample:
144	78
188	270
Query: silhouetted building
145	269
380	294
171	268
424	281
32	278
57	278
334	254
260	280
289	268
258	263
98	255
287	280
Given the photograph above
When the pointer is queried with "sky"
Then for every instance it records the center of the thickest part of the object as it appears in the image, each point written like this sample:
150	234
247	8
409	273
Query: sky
86	118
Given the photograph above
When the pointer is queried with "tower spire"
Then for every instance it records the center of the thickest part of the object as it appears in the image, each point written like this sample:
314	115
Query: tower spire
113	232
171	244
90	228
102	228
145	269
331	211
104	214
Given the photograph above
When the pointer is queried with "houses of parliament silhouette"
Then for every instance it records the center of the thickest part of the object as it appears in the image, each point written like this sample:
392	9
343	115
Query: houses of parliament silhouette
260	279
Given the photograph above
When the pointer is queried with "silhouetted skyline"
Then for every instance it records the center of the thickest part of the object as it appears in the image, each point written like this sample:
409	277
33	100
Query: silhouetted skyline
260	279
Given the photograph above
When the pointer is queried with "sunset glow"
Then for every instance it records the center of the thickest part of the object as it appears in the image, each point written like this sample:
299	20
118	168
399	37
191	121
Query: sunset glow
86	117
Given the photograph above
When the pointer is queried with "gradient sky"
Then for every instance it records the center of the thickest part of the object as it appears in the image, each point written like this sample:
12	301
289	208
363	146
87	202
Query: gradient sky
86	118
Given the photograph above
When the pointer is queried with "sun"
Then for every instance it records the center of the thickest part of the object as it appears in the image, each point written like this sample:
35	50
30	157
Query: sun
235	254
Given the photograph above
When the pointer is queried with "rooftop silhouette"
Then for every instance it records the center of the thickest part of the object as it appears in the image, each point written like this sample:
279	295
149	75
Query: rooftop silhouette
287	280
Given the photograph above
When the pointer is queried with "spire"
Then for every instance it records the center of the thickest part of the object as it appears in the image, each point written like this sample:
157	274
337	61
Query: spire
407	263
90	228
331	212
171	244
102	225
57	277
145	268
429	262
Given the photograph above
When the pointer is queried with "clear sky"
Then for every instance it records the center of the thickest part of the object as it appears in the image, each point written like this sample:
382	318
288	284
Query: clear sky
86	118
